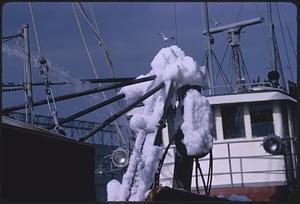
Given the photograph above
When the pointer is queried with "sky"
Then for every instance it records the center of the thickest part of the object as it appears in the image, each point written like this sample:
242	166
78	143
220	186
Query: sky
130	33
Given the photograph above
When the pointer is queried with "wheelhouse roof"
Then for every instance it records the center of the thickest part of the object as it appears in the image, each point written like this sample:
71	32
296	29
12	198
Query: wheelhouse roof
257	96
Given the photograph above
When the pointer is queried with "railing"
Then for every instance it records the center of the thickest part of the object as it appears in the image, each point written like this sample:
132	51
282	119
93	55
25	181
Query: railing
242	171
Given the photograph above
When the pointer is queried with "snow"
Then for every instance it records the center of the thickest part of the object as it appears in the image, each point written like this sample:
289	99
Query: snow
196	124
112	189
134	91
170	64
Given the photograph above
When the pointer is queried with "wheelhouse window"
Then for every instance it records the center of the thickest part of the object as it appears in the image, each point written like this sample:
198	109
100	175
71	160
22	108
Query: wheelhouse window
261	119
233	121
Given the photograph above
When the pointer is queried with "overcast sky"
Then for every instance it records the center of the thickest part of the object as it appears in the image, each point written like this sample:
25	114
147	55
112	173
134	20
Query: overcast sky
130	33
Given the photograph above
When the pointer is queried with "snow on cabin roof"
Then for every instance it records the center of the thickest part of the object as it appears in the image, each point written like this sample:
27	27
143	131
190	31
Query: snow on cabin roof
249	97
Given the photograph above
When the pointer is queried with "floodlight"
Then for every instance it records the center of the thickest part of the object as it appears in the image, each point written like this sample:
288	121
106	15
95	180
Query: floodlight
274	145
120	157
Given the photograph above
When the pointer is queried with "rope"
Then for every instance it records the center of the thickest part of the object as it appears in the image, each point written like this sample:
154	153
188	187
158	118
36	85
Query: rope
94	68
284	42
100	39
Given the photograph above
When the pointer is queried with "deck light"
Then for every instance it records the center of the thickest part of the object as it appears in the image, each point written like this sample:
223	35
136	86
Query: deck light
113	162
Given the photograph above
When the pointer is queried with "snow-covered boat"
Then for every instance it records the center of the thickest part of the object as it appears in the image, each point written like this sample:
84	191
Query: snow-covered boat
253	153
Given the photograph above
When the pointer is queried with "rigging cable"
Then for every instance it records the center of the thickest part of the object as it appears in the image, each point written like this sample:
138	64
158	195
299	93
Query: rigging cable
94	68
284	42
126	122
35	30
230	65
176	31
239	13
100	39
291	40
289	34
244	68
279	61
226	81
93	17
264	32
202	176
100	44
44	68
206	53
224	55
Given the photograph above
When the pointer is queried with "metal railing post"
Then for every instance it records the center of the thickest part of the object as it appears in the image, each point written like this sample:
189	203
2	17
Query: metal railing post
230	166
242	176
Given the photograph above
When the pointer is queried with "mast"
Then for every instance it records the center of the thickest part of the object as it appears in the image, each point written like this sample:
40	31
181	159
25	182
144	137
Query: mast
234	42
208	42
271	31
276	66
234	31
28	76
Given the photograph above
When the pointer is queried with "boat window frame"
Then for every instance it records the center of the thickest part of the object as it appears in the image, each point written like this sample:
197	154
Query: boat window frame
270	107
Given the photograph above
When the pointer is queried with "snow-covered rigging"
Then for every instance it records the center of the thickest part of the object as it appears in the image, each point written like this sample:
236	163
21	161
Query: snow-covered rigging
176	70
